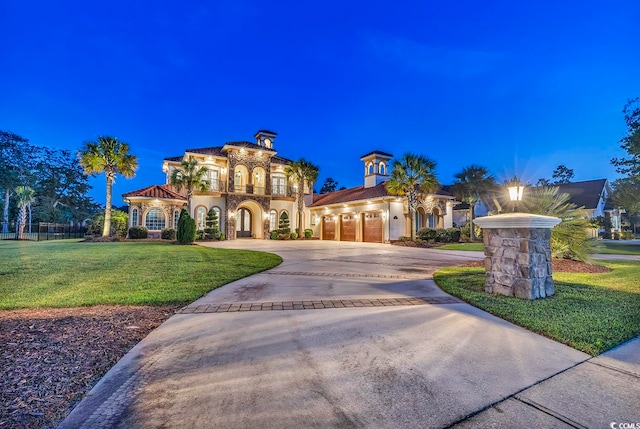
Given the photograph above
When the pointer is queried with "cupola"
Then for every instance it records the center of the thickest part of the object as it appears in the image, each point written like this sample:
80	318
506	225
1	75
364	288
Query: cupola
376	167
265	138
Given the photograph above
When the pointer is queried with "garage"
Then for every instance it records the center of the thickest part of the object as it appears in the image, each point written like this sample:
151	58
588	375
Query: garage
372	227
328	228
347	228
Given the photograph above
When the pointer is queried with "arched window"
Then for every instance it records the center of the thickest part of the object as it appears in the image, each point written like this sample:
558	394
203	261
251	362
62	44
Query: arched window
176	217
382	168
370	168
201	217
134	217
273	219
155	219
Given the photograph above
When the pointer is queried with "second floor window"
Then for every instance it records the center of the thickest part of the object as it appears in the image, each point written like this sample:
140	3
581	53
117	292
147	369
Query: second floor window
214	179
279	186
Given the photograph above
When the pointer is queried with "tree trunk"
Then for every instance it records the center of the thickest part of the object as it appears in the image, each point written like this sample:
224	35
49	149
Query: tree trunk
22	218
412	221
472	234
106	230
5	213
300	207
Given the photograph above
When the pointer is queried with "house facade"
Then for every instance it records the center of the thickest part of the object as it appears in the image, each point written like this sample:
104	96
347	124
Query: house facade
252	196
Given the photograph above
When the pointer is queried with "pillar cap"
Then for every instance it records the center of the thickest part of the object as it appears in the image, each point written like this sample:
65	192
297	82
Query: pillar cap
517	220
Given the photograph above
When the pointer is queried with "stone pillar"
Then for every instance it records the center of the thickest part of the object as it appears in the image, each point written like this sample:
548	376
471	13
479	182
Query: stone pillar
517	251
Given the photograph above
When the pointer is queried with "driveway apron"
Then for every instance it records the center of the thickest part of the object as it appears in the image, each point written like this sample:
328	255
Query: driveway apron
338	335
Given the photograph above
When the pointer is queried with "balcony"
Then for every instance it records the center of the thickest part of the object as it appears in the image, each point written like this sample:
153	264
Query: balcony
276	191
283	191
217	186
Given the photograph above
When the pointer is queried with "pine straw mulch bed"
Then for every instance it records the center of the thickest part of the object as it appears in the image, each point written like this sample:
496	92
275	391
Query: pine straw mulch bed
50	358
562	266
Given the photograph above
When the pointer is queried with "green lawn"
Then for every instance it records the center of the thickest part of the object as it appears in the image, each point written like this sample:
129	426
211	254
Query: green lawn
621	248
479	247
590	312
72	273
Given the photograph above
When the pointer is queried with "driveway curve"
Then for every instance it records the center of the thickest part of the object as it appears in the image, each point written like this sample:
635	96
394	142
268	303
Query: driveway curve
289	348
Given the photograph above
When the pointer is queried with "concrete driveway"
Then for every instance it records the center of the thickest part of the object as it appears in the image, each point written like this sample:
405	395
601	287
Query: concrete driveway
407	355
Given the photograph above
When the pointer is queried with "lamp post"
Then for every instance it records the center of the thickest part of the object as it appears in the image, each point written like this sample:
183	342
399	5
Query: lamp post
516	189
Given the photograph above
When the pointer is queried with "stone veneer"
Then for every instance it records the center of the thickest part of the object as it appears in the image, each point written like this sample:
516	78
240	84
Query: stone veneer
517	252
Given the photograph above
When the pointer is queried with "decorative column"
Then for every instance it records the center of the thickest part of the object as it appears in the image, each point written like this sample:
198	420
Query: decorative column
517	251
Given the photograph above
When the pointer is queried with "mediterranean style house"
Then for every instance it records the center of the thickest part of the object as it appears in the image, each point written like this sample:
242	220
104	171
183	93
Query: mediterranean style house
252	196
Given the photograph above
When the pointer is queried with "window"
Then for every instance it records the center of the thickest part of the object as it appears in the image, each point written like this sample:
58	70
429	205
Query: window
273	219
279	186
176	217
155	220
381	168
370	168
134	217
201	217
214	177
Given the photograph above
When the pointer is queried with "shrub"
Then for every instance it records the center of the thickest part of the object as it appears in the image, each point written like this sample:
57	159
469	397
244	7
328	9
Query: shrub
627	235
119	224
274	235
427	234
138	232
168	234
221	237
308	233
448	235
212	230
294	236
186	232
465	231
200	235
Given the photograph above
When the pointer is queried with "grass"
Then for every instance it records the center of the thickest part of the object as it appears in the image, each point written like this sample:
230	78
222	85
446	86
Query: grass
479	247
589	312
619	248
73	273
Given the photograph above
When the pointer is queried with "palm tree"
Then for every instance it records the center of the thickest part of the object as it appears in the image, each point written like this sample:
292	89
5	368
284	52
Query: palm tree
110	156
302	172
471	184
24	196
191	177
413	176
569	238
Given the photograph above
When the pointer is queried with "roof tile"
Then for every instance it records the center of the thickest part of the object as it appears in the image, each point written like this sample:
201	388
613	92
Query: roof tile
155	191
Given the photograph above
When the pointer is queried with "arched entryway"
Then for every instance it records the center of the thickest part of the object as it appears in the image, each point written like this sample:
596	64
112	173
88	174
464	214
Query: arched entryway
244	224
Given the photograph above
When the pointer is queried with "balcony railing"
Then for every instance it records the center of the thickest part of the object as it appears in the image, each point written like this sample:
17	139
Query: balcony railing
276	191
217	186
283	191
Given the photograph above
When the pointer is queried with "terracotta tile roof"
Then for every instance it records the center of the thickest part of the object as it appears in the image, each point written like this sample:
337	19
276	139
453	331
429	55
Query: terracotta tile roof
584	194
213	151
155	191
249	145
280	160
379	152
356	194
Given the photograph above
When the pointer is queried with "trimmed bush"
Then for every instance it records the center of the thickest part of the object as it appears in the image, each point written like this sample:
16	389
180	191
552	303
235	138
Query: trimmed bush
186	232
138	232
427	234
448	235
294	236
308	233
221	237
168	234
274	235
212	230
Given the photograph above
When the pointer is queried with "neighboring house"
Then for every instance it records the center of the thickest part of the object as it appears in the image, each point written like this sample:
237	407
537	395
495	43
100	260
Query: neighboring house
250	191
593	195
369	213
248	188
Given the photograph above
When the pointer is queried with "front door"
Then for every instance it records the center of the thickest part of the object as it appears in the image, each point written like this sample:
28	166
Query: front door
243	223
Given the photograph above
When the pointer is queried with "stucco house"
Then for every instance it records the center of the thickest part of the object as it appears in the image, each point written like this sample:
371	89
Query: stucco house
252	195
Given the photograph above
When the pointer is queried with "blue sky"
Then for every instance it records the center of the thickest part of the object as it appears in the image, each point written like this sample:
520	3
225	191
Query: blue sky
516	87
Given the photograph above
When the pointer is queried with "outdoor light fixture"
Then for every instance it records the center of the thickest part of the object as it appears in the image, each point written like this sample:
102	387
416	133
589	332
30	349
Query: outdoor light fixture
516	189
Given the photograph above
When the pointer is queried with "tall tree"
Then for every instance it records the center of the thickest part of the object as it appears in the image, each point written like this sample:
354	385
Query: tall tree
471	184
626	194
24	196
17	161
329	185
413	176
562	174
631	141
302	172
110	156
62	188
191	177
